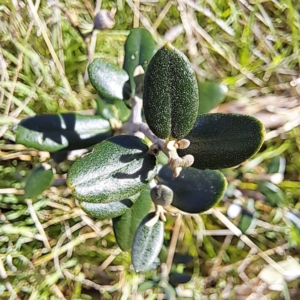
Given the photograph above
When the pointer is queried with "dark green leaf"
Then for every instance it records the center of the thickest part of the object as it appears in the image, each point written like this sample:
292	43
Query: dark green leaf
195	191
38	181
109	210
247	219
117	168
59	156
223	140
109	80
139	49
147	244
182	258
62	131
274	195
211	94
126	225
179	278
170	94
112	109
245	222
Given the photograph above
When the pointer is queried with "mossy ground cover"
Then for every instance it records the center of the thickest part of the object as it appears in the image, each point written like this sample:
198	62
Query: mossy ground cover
50	249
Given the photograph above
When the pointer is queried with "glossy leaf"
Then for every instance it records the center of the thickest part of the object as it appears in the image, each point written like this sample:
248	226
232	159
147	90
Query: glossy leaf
38	181
139	49
195	191
211	94
147	244
62	131
223	140
109	80
109	210
109	109
126	225
116	169
170	94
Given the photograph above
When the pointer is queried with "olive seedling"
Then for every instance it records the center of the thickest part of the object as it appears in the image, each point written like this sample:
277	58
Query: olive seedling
155	112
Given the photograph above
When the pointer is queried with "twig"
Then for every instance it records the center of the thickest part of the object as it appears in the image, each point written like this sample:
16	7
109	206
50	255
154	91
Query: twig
87	282
79	240
92	45
38	224
191	45
74	25
60	243
144	128
12	191
109	260
172	248
136	113
145	22
246	240
8	285
222	53
59	67
136	12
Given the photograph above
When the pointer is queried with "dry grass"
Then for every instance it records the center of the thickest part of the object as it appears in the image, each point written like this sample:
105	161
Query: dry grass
49	249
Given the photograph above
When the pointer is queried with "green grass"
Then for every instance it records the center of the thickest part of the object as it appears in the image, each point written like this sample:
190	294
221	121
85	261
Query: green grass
49	249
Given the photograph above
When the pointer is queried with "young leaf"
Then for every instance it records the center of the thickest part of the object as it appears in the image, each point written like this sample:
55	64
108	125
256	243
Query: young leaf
223	140
139	49
211	94
117	168
109	109
195	191
245	222
147	244
274	195
170	94
38	181
248	219
126	225
62	131
109	80
109	210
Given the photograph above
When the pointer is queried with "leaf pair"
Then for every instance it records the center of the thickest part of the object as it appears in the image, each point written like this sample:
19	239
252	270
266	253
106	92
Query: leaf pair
171	106
114	83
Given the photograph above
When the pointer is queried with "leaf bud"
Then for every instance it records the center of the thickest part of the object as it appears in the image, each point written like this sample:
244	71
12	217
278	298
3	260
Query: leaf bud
183	144
187	160
161	195
104	19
